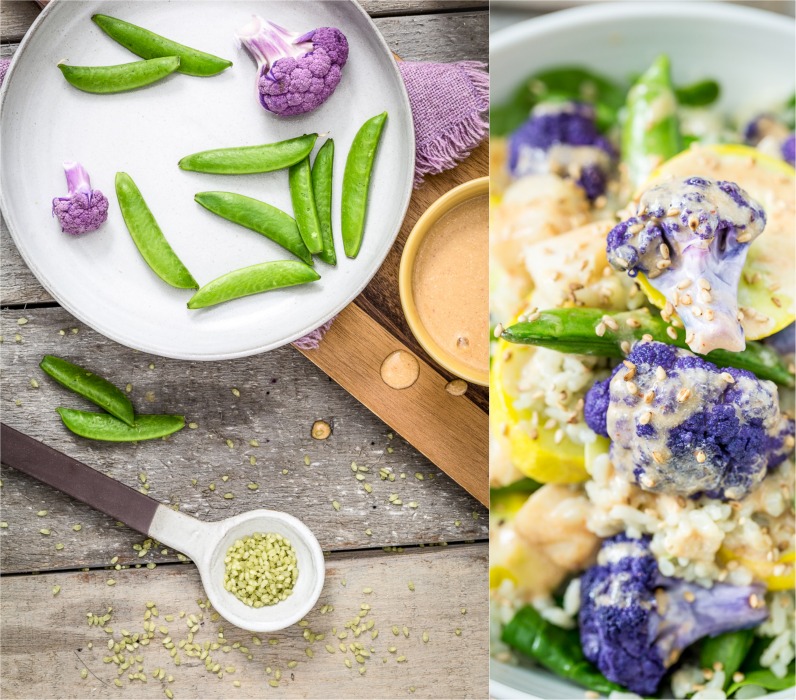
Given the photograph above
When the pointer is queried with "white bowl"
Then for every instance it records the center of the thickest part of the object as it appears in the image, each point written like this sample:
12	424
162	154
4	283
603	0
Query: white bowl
749	52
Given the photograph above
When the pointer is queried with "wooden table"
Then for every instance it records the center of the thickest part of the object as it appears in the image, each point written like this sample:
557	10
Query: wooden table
426	565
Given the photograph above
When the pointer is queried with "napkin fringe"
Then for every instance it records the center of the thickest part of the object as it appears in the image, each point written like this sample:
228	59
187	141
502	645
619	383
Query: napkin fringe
455	144
313	339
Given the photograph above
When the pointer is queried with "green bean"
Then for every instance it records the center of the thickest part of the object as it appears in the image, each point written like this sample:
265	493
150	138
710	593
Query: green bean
356	180
322	189
573	331
147	44
148	237
303	198
126	76
555	648
254	279
243	160
96	389
258	216
101	426
651	131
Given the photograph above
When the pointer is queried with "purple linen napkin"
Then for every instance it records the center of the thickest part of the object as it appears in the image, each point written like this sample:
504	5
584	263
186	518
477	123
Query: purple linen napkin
450	103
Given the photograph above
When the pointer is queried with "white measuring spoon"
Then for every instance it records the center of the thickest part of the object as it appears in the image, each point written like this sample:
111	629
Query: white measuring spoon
206	543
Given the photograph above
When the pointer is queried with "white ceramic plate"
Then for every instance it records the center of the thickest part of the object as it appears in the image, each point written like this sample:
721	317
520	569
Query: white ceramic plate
100	277
748	51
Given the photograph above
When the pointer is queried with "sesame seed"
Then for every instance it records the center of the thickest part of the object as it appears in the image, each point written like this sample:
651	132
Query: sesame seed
776	302
649	397
632	388
737	677
645	418
689	596
610	323
685	300
498	330
683	395
657	457
633	323
663	264
727	377
625	347
647	338
700	456
600	329
702	283
671	331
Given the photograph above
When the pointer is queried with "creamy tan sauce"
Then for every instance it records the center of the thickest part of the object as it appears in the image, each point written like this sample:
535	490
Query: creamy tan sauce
400	369
450	283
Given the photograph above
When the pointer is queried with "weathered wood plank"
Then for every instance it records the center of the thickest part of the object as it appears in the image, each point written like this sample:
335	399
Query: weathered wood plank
380	8
15	18
280	397
45	638
450	430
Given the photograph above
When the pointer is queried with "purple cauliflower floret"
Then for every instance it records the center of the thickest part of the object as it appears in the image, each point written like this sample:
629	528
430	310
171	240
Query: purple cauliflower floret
690	238
562	138
83	209
297	72
679	424
771	135
635	622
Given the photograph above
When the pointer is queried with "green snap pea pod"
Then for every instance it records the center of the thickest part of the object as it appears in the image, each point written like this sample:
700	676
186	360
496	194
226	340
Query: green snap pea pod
148	237
96	389
301	194
651	131
147	44
356	181
699	94
244	160
101	426
258	216
254	279
322	189
126	76
728	649
555	648
574	331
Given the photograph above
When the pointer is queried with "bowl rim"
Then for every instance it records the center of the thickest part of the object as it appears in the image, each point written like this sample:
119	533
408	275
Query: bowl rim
442	205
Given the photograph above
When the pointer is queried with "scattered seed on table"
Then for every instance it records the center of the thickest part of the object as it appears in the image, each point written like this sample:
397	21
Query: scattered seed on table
458	632
45	531
3	524
22	321
321	430
411	586
56	590
253	486
110	582
34	383
59	546
335	505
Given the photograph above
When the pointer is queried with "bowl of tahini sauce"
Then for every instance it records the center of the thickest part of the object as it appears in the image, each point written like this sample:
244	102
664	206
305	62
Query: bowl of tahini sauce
444	281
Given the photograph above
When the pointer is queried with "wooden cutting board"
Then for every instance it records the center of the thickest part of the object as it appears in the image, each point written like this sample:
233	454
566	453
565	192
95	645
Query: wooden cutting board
452	431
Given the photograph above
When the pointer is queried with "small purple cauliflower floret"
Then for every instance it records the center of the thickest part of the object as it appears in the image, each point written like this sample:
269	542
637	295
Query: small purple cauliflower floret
771	135
297	72
690	238
562	138
680	425
635	622
83	209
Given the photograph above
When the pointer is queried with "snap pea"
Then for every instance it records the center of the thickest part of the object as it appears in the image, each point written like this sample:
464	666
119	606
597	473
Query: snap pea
254	279
698	94
147	44
309	226
555	648
356	181
101	426
728	649
126	76
243	160
96	389
651	131
258	216
573	331
148	237
322	189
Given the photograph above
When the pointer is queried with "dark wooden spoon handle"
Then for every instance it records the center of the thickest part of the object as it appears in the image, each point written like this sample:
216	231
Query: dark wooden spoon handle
34	458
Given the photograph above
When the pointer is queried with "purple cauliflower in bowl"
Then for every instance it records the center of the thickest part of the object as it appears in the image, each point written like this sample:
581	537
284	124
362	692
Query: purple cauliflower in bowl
690	238
562	137
679	424
296	73
83	209
635	622
770	135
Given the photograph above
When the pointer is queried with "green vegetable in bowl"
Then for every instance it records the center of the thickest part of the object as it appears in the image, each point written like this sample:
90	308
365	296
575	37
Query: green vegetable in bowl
322	189
149	45
148	237
244	160
253	280
119	78
258	216
555	648
728	649
309	225
356	181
